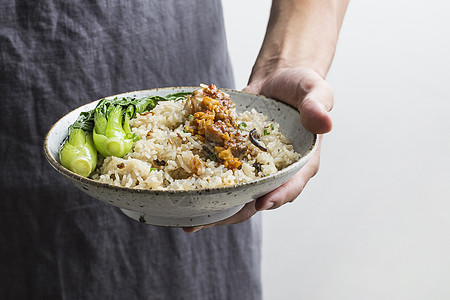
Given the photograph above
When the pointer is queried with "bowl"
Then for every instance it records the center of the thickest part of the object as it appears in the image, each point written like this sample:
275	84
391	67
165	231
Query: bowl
189	207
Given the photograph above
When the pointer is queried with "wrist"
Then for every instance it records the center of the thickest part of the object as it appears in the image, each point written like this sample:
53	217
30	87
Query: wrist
300	33
267	67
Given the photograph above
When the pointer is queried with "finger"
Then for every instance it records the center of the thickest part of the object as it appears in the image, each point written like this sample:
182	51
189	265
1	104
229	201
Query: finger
290	190
196	228
243	215
253	88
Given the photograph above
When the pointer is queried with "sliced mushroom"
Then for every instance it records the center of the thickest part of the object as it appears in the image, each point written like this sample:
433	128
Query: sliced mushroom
253	135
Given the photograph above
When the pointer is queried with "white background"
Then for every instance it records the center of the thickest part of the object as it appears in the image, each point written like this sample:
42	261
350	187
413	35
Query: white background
375	222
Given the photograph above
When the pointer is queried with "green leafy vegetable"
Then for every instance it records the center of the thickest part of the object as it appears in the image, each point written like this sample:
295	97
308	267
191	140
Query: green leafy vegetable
105	129
111	135
78	152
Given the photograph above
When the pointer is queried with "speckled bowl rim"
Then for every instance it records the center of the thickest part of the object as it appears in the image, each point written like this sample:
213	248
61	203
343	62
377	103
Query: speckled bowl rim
84	180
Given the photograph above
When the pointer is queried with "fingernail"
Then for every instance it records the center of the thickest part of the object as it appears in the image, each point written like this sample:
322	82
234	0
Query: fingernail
197	229
268	205
191	229
324	107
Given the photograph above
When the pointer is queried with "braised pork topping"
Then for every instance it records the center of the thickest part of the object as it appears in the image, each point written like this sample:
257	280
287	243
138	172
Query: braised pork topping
213	116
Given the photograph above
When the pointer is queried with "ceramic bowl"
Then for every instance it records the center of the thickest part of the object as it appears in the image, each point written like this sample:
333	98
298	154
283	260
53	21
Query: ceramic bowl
190	207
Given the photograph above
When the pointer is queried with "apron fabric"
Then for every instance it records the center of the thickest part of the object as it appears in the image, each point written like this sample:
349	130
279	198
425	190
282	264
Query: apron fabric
55	241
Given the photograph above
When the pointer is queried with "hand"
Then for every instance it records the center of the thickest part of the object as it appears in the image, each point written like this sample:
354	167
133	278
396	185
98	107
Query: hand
304	89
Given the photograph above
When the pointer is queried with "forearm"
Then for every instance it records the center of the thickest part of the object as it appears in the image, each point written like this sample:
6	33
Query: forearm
300	33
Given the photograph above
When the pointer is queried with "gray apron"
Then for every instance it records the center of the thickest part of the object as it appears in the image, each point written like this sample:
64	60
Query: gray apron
56	242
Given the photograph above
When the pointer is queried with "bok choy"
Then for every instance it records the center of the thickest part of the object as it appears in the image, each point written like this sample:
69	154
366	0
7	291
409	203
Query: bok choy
105	129
78	152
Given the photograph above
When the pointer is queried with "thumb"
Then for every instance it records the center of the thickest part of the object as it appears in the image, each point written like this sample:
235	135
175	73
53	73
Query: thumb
314	108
